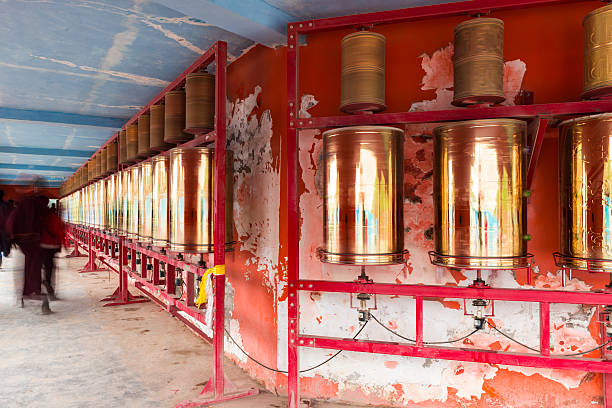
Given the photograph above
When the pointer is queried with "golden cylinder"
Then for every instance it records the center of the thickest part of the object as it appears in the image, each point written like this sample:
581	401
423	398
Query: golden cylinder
156	126
161	208
144	135
132	142
133	203
478	62
123	151
104	161
102	197
91	169
598	53
200	102
97	166
191	189
585	192
145	203
123	212
174	117
363	195
363	72
111	203
111	157
479	204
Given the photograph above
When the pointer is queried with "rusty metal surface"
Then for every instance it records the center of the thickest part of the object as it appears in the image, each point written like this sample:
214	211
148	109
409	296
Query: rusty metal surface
174	117
144	147
363	72
585	191
191	199
132	142
145	203
161	209
133	203
200	102
363	195
479	204
478	62
598	53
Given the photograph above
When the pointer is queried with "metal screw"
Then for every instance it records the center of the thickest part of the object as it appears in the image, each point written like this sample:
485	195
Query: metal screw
309	24
292	294
301	341
301	25
292	304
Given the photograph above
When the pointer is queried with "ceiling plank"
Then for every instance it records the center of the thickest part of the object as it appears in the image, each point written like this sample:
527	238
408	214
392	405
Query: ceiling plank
39	167
41	151
64	118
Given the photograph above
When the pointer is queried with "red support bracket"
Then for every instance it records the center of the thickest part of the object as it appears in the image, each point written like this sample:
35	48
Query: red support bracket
121	295
90	266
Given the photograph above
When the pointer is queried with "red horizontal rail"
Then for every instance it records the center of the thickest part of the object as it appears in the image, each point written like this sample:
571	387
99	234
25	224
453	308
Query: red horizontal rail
512	295
517	111
418	13
478	356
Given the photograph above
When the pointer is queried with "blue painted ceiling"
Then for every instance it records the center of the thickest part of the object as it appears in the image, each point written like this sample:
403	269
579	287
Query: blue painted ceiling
79	67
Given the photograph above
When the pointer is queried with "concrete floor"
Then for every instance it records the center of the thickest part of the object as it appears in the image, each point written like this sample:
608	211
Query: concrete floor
86	355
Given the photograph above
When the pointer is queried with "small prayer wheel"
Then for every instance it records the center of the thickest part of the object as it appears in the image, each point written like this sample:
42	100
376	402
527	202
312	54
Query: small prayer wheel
144	148
598	53
200	102
111	157
103	161
156	128
123	147
132	142
174	117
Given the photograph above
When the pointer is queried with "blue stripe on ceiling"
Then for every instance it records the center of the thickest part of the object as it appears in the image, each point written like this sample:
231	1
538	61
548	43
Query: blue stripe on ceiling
60	117
39	151
14	166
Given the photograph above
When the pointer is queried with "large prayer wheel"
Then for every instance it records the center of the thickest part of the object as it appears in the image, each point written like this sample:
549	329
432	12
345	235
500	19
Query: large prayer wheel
363	196
174	117
102	198
144	148
132	142
363	72
111	204
585	193
479	62
123	201
145	203
161	206
133	203
156	126
191	199
479	197
200	102
598	53
123	151
111	157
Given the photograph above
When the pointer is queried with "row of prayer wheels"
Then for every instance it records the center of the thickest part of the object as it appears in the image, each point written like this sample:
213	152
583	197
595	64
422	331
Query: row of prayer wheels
479	194
165	202
478	63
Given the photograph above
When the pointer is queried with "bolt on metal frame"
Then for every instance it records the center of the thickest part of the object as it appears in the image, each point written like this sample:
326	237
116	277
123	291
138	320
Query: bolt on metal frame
102	246
539	115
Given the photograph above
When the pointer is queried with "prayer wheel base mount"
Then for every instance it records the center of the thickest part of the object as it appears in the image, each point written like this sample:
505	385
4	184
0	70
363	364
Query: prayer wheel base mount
196	249
478	100
598	93
582	264
361	259
198	131
363	108
468	262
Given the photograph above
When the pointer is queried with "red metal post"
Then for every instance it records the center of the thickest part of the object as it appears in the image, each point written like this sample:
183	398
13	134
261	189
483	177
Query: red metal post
545	328
419	320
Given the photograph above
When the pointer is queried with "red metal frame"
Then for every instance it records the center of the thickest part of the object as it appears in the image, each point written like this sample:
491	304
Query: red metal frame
218	388
540	116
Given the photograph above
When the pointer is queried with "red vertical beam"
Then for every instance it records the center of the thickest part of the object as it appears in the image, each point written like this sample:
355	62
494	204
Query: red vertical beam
293	209
170	275
545	328
189	282
156	271
143	266
133	260
219	216
606	355
419	321
123	289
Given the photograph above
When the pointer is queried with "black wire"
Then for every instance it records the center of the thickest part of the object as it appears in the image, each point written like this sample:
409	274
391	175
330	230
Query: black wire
511	339
301	371
588	351
425	342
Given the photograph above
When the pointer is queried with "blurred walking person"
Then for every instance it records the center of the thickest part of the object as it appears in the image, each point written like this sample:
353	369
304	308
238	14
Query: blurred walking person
50	243
5	241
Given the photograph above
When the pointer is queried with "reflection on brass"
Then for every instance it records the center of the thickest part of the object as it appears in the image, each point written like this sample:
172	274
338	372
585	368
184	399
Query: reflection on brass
143	136
585	191
363	72
111	157
191	199
145	203
479	62
598	53
156	125
123	155
102	222
161	209
133	203
103	161
111	203
200	102
363	195
132	142
123	201
174	117
479	204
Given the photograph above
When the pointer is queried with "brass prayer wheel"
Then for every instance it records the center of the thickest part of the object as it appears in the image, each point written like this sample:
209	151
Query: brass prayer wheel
102	223
111	203
174	117
478	62
132	142
479	197
585	193
145	203
161	208
123	153
103	161
133	203
598	53
144	136
91	169
123	201
363	72
156	126
200	102
363	196
111	157
191	190
97	166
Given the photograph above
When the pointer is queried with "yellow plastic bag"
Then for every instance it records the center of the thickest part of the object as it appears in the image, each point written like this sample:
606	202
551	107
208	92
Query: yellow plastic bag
215	270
